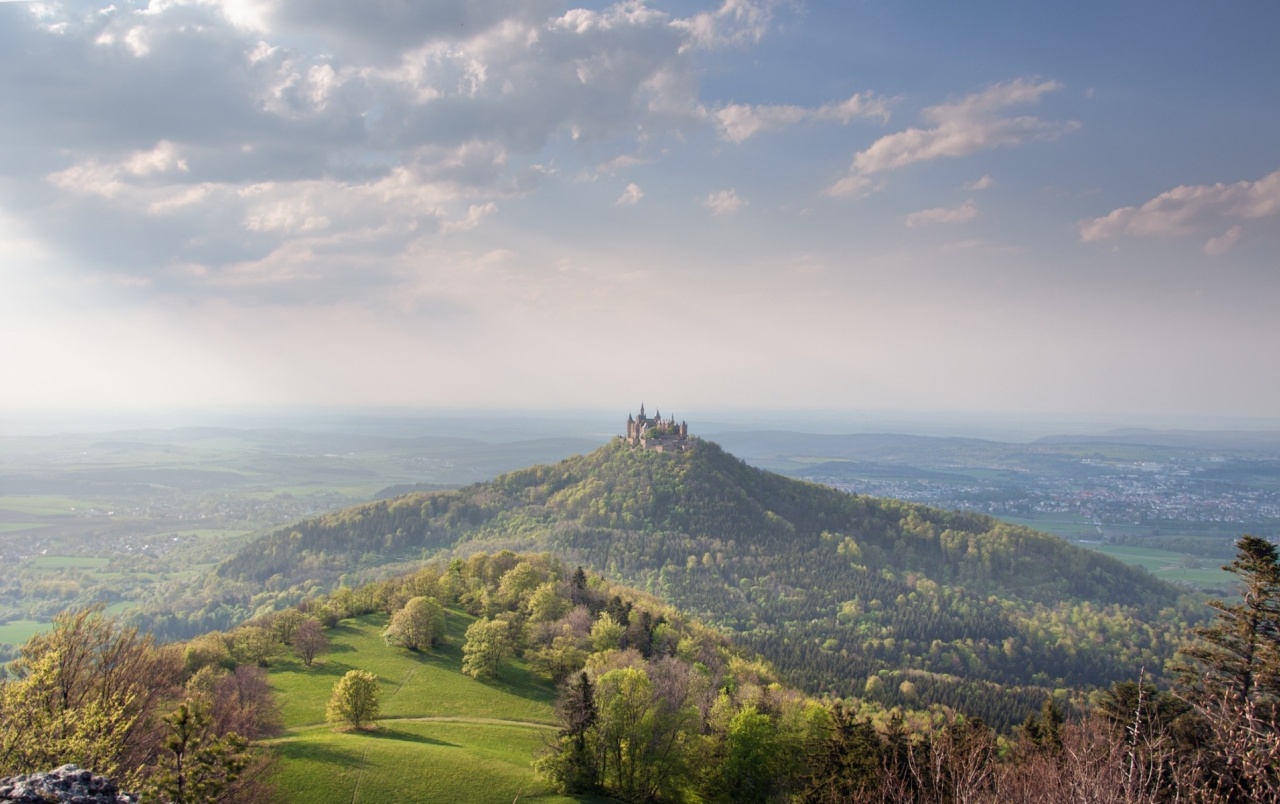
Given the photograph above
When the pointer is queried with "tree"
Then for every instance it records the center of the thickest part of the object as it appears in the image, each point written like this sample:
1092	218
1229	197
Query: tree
420	624
1236	659
198	765
750	765
309	640
253	644
354	699
488	643
570	766
846	765
517	584
607	633
87	692
1231	676
285	624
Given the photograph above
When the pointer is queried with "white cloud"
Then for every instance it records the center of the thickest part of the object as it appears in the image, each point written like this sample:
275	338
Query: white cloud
724	202
735	22
1217	246
475	213
852	186
984	183
630	196
960	128
1189	208
965	212
738	122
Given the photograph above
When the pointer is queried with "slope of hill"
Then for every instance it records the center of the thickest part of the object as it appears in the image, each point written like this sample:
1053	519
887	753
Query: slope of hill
845	594
441	731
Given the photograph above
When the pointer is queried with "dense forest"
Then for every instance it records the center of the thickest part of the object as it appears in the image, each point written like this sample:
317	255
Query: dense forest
847	595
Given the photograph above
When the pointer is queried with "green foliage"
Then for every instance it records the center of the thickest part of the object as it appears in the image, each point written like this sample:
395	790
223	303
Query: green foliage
1231	676
979	615
87	692
488	644
420	624
198	765
354	700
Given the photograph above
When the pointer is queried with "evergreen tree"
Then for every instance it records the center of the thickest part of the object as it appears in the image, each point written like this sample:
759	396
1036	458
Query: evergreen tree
1231	676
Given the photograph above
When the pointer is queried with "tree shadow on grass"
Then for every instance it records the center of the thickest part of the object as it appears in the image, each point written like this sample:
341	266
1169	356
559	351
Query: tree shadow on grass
390	732
521	683
317	752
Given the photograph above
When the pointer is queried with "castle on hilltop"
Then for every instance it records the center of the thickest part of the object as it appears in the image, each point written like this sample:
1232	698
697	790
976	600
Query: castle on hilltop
657	433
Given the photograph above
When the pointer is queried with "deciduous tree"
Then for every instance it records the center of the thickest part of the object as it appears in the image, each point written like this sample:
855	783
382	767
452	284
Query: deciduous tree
354	700
420	624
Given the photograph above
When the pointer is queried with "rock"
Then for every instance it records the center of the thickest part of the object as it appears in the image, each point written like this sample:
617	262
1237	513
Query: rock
69	784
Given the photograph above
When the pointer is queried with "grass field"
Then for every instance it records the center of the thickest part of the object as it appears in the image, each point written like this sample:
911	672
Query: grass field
442	736
19	631
68	562
1169	566
6	527
1067	525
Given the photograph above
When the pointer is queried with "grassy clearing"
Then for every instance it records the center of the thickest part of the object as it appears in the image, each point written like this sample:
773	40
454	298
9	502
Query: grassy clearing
443	736
68	562
17	632
406	760
1202	573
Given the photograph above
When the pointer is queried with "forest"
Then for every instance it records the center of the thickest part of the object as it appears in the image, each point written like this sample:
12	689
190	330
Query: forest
846	594
652	705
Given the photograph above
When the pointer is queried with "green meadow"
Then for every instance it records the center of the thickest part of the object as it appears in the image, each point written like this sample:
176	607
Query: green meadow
442	736
16	632
1172	567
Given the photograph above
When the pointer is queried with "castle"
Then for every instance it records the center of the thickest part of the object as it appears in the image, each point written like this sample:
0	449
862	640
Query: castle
657	433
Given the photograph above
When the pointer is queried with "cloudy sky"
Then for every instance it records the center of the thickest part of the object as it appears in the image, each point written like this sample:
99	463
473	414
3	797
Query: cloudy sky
1070	208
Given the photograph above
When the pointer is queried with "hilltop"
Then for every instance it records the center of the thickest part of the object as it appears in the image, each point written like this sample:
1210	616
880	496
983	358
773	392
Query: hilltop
845	594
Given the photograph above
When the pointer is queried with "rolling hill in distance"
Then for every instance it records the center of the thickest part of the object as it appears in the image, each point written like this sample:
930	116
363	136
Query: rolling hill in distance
847	594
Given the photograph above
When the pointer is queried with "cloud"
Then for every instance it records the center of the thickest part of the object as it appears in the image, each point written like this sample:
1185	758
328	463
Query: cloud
852	186
630	196
965	212
738	122
735	22
984	183
216	144
475	213
1188	209
612	166
724	202
1217	246
959	128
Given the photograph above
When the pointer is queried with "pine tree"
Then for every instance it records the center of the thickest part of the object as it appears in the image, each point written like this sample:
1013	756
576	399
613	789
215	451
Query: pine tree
1231	677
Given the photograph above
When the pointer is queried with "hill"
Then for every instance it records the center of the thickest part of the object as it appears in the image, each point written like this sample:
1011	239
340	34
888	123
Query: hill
845	594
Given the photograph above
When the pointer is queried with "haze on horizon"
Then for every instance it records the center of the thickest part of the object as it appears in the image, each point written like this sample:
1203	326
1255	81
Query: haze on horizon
716	205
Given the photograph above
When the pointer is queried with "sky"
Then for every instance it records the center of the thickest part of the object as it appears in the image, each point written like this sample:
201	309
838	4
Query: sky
878	205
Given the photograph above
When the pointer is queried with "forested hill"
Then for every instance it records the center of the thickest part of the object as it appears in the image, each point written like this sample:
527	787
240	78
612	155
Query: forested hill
834	588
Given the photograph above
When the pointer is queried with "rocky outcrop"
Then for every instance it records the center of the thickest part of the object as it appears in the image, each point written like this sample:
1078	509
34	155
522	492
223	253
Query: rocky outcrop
68	783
